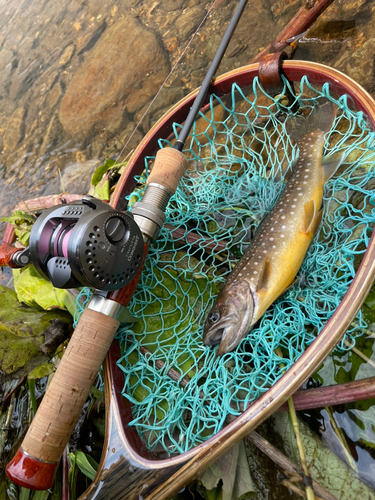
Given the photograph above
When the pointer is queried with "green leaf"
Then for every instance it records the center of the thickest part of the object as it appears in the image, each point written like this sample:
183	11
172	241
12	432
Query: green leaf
232	469
98	395
340	480
162	316
22	223
102	190
40	495
21	333
85	463
100	171
36	291
41	371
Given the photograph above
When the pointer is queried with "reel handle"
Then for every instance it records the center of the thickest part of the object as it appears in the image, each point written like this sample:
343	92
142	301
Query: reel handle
35	462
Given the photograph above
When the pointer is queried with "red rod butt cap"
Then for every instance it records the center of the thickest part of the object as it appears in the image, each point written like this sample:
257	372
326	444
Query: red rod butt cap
31	473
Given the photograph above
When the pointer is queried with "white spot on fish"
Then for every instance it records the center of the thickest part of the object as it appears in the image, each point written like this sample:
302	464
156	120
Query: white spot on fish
264	251
283	227
292	214
255	263
299	194
255	272
305	176
294	206
272	229
282	235
273	246
304	182
283	216
271	239
307	170
299	189
294	199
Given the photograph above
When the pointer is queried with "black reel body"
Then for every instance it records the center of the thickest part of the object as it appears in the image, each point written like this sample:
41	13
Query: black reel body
86	243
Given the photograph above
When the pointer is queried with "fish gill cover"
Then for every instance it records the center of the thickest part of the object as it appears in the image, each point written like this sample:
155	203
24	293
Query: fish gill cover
239	157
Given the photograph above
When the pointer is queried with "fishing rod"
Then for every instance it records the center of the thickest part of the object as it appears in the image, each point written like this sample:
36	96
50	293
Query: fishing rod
92	244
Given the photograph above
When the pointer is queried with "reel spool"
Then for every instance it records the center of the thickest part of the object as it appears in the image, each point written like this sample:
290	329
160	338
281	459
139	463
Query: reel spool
86	243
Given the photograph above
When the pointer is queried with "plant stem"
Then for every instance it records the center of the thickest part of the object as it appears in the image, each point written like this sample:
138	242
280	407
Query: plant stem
360	354
10	411
31	384
284	463
307	478
349	459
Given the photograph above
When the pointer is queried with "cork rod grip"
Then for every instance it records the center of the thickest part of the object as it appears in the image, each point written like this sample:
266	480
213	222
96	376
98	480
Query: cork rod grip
62	404
169	166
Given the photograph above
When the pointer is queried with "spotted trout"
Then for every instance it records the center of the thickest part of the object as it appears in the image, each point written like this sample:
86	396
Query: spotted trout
282	239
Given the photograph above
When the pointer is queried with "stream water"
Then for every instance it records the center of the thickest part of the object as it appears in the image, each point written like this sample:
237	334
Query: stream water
77	76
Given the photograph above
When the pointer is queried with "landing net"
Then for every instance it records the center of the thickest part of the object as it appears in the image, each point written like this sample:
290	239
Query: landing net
239	157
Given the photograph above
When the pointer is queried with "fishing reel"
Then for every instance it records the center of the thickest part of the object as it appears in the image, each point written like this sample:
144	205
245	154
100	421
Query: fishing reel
85	243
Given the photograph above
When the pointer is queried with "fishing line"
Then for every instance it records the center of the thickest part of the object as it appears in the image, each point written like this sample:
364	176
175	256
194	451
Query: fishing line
165	81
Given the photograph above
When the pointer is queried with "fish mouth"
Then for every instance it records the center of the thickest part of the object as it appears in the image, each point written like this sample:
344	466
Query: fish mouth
215	335
214	339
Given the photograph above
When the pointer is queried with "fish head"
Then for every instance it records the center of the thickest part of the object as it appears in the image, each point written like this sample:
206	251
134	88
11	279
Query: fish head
230	318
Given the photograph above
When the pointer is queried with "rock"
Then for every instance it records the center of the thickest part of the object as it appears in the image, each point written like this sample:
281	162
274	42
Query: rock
13	131
361	66
189	20
67	55
170	5
54	95
111	76
76	176
136	137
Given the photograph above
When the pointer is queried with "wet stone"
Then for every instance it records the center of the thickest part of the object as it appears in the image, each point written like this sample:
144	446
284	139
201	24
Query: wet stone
67	55
13	131
189	21
111	76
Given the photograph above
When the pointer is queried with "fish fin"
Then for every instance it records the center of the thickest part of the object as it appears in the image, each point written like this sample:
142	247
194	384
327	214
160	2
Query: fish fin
331	163
317	221
320	118
310	211
264	275
292	284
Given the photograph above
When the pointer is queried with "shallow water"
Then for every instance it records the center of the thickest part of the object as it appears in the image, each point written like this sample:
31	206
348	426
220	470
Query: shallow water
77	76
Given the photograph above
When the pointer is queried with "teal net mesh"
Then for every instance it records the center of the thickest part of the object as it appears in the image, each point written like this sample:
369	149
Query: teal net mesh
239	156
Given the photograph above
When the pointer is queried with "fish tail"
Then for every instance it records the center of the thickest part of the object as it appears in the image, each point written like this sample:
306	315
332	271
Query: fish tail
320	118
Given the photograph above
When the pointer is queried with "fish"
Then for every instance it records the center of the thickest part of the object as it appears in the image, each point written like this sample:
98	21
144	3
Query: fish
275	254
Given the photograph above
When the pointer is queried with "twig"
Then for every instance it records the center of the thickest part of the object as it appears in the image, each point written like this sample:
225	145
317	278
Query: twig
284	463
301	22
333	395
307	481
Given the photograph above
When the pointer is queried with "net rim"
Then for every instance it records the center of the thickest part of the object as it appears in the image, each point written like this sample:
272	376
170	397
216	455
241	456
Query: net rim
317	74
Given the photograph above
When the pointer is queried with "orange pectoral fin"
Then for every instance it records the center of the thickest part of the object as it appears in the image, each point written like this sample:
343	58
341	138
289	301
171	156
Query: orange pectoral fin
265	275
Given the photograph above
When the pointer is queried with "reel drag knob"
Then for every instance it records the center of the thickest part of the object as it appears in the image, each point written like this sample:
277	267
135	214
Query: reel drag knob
115	230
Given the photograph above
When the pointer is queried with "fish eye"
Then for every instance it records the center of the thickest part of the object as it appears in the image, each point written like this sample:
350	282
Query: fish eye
213	317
